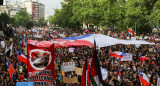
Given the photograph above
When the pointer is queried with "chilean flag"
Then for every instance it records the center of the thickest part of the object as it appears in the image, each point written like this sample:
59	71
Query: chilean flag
131	31
118	75
142	58
9	68
87	31
50	36
85	75
23	44
117	54
22	58
143	78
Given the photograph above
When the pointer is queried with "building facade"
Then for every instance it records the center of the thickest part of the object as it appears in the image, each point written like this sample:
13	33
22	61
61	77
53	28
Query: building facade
41	10
35	9
11	9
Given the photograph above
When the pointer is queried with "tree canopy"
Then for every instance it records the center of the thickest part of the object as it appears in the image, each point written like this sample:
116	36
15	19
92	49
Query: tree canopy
122	14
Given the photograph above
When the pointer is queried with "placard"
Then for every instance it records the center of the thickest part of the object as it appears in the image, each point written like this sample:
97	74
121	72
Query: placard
71	50
78	71
151	54
40	67
70	80
127	57
24	84
68	66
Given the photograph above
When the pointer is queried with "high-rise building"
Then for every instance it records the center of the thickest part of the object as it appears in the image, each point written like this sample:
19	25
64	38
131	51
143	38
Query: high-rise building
11	9
35	12
41	10
35	9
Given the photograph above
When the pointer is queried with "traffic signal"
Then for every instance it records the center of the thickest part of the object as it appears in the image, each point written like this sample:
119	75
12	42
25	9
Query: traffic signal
1	2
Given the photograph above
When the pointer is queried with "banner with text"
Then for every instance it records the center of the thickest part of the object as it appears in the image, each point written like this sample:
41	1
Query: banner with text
40	65
127	57
68	66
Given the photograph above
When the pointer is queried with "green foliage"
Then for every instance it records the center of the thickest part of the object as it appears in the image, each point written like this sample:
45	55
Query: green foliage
21	18
42	22
145	14
4	20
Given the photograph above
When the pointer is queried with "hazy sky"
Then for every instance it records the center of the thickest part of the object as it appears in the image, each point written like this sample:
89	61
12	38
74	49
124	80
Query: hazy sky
50	5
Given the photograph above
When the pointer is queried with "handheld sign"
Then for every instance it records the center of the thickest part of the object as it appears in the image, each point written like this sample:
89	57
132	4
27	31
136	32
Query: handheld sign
24	84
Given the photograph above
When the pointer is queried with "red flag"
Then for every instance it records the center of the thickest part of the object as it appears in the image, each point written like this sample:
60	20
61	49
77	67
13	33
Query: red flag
154	39
40	63
23	43
22	58
85	75
9	68
50	36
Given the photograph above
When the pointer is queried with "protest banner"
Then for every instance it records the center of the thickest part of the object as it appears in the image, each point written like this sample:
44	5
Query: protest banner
70	80
24	84
127	57
68	66
55	66
41	65
78	71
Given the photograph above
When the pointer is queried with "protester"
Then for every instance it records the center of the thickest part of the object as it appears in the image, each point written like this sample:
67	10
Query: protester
129	75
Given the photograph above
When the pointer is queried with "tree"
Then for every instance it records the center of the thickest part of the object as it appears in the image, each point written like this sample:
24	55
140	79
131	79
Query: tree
42	22
154	18
21	18
4	20
142	14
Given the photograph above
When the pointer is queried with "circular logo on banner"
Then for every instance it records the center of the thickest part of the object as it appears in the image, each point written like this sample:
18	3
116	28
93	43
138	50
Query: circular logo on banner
40	59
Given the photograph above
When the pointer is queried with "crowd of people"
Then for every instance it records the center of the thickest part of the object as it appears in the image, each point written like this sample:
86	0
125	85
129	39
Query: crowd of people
128	69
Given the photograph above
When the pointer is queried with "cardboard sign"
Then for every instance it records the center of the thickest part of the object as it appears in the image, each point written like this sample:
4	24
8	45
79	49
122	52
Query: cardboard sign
150	49
151	54
78	71
24	84
68	66
127	57
70	80
55	66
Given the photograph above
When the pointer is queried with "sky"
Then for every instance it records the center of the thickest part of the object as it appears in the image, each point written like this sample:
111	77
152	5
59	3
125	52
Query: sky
50	5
